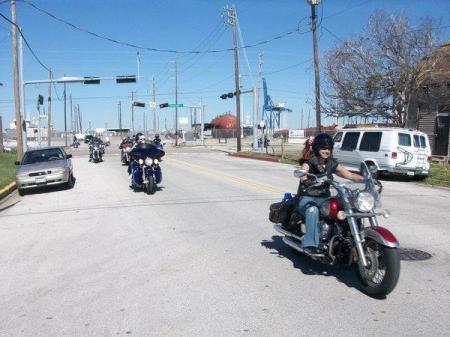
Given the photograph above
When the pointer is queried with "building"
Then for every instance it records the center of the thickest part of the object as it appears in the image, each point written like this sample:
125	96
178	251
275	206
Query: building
429	110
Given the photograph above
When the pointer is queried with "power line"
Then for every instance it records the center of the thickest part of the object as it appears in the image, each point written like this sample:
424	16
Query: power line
175	51
26	42
289	67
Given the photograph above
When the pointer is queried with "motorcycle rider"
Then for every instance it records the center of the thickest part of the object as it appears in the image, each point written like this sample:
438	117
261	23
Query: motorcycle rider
321	164
138	139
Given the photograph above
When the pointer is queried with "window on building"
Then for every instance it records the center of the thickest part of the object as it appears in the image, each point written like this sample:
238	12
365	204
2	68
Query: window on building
370	142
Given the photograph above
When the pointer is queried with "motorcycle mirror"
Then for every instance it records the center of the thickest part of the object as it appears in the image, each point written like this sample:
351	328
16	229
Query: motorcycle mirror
298	173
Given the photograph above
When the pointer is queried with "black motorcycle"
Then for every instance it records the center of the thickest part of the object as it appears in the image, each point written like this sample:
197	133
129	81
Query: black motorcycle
350	234
145	168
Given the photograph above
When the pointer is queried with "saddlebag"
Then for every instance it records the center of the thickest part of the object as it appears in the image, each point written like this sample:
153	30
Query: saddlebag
280	212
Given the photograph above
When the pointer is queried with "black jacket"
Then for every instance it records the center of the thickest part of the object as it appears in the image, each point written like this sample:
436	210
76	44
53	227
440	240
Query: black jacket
323	190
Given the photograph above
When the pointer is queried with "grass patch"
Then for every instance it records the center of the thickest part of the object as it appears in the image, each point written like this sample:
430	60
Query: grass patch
439	176
7	168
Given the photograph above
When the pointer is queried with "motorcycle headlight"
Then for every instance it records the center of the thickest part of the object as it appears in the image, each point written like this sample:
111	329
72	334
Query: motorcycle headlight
155	161
141	161
148	161
128	149
96	148
364	201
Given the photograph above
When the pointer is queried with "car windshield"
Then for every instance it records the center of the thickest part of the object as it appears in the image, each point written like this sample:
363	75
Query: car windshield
40	156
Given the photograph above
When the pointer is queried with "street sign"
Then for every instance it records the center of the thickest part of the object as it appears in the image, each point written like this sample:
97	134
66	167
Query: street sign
179	105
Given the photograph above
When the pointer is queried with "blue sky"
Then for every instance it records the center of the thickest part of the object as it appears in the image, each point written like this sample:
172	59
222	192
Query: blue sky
180	25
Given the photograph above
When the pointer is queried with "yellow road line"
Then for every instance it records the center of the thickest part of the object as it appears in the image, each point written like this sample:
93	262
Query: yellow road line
224	175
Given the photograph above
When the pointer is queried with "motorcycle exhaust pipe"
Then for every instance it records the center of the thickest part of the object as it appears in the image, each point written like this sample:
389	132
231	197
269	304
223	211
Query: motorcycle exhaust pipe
293	244
281	230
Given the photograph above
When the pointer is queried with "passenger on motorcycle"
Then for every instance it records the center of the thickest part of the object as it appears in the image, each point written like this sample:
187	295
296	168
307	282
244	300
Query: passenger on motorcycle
321	164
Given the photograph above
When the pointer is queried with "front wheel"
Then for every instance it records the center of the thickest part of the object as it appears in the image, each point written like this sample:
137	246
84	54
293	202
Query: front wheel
381	275
150	187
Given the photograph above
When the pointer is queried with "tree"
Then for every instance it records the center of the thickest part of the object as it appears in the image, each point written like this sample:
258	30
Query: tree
377	73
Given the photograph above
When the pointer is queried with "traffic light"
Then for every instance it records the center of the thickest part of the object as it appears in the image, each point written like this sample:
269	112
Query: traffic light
91	80
40	99
229	95
139	104
164	105
126	79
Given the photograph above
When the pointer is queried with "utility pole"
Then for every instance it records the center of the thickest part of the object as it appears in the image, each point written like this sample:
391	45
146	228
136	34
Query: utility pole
202	122
256	118
49	110
301	118
65	116
22	90
154	105
1	135
119	105
313	4
231	16
132	110
176	104
80	116
16	83
71	113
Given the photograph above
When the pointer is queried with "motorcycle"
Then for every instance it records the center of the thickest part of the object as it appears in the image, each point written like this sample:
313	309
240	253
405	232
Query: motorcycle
125	149
350	233
96	152
75	144
145	169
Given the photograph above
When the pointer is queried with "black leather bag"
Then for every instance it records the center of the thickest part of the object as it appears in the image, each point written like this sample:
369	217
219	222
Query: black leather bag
280	212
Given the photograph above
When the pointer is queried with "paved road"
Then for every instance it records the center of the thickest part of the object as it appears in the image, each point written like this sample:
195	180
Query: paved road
199	258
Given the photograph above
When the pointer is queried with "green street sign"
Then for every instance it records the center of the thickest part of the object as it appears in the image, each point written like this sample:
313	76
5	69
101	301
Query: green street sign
179	105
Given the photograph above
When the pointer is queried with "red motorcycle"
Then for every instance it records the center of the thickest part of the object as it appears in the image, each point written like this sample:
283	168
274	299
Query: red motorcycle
350	234
125	148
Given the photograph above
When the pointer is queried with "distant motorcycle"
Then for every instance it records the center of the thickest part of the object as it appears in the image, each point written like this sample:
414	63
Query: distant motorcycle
75	144
125	149
145	168
96	152
350	233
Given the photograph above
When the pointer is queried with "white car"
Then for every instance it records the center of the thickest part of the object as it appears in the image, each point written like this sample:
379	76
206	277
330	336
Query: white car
44	167
389	150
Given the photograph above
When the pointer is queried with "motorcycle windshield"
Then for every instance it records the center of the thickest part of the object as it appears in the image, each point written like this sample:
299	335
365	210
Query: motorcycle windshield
148	150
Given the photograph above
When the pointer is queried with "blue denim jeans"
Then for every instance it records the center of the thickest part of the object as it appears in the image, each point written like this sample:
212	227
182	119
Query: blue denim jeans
309	209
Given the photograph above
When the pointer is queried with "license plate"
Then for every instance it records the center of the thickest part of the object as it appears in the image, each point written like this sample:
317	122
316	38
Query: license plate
410	173
40	180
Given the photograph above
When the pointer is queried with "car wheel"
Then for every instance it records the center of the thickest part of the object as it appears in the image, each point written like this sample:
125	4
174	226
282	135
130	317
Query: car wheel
21	192
71	182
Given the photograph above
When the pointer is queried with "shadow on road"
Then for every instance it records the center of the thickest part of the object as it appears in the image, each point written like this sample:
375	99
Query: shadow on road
308	266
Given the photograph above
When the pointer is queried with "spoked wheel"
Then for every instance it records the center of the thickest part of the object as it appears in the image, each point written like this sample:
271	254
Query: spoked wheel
150	187
381	275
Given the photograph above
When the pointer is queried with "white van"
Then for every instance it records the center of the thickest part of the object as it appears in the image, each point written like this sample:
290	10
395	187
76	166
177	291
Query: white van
390	150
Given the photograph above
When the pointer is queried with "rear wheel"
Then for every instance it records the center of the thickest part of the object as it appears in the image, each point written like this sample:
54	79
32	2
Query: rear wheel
150	187
381	275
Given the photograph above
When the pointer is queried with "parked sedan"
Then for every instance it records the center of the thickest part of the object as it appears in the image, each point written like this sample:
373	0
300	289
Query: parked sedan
44	167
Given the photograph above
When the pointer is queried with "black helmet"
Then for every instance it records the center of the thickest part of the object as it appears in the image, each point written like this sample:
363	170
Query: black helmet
321	141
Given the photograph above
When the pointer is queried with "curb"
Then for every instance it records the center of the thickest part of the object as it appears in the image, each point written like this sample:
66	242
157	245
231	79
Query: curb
249	156
7	189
